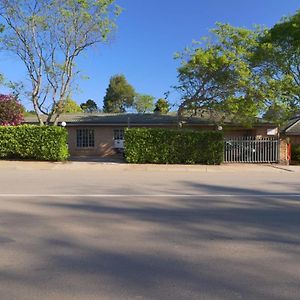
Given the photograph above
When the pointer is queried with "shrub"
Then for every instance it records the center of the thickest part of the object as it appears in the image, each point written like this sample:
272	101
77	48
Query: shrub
296	153
34	142
11	111
165	146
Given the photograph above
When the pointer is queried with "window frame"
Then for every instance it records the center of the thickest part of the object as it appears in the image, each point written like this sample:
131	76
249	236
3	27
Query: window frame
85	138
119	134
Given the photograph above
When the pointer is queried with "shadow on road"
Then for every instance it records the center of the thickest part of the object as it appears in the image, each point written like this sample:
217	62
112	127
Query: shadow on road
118	158
170	248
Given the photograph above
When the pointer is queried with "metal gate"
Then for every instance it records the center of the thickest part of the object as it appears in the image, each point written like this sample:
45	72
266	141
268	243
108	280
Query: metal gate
251	150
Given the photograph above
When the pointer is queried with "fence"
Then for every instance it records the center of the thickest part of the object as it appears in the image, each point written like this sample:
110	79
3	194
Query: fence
251	150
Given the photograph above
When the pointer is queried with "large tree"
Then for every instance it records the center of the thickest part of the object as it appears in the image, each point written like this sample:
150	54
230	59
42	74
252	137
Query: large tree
217	77
71	106
278	59
119	95
244	73
89	106
143	103
162	106
48	36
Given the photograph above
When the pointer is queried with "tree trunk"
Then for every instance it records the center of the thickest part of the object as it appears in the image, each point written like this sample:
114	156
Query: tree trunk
55	122
36	110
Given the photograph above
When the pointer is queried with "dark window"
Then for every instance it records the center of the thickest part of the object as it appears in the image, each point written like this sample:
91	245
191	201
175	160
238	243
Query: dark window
118	134
85	138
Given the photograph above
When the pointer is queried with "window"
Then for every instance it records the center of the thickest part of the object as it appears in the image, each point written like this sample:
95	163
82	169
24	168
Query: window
85	138
118	134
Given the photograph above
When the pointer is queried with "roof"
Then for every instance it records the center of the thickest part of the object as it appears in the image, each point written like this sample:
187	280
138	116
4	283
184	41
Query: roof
101	119
292	127
122	119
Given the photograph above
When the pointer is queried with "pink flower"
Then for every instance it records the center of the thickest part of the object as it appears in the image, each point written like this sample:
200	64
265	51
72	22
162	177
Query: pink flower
11	111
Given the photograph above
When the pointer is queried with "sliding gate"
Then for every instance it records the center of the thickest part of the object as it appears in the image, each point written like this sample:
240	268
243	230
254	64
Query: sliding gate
251	150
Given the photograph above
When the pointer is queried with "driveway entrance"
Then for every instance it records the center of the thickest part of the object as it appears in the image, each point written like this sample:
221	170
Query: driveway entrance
251	150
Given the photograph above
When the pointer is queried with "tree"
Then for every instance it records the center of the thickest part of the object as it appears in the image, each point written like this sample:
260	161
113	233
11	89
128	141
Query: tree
278	59
218	77
143	103
89	106
162	106
48	36
71	106
11	111
119	95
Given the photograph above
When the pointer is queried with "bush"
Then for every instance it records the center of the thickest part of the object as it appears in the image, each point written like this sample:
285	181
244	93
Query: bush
296	153
34	142
165	146
11	111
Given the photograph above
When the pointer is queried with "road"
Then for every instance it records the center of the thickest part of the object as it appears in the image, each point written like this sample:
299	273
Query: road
110	231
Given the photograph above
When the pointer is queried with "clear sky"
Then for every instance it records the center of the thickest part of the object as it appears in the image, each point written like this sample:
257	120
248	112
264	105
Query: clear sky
149	33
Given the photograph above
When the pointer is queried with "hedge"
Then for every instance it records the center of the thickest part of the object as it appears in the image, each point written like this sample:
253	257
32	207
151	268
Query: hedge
165	146
33	142
296	153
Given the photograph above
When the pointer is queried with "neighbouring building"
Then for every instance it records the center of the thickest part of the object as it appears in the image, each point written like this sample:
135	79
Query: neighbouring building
292	130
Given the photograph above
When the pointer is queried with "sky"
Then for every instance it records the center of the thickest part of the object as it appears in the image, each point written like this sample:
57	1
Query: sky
149	34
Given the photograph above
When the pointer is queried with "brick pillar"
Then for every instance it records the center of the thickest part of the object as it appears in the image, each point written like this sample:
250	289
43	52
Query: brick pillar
283	152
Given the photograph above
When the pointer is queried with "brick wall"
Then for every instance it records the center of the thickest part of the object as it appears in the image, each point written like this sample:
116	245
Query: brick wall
283	152
104	142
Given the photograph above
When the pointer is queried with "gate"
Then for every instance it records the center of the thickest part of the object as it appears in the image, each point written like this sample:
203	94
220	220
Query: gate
251	150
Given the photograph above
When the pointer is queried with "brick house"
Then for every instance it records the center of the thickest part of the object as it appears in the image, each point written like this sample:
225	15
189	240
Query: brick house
292	130
102	134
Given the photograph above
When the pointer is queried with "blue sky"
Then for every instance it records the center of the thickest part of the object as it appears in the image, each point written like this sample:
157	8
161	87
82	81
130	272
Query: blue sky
149	33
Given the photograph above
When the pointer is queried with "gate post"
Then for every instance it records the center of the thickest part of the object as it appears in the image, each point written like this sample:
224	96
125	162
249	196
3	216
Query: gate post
283	152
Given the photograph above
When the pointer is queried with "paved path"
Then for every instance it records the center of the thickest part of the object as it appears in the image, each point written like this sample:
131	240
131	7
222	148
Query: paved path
101	231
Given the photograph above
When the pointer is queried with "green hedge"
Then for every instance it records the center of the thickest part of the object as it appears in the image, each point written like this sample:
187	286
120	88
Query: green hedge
164	146
296	153
34	142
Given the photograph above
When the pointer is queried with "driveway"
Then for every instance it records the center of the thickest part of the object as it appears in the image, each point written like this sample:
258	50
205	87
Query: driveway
112	231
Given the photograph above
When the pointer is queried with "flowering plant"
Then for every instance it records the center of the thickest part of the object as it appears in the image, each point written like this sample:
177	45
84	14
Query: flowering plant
11	111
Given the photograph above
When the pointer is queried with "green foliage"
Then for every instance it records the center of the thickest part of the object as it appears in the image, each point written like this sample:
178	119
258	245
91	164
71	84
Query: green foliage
217	76
278	113
48	37
33	142
143	103
70	106
287	31
244	74
278	59
89	106
162	106
163	146
296	153
119	95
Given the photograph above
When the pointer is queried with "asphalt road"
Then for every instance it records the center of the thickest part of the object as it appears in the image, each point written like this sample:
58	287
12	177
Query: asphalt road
104	231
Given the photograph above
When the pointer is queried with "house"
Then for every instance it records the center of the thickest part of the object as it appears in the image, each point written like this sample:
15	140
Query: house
292	130
103	134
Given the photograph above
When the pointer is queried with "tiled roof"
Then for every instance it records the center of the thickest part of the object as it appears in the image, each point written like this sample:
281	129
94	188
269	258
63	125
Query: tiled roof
134	119
293	127
123	119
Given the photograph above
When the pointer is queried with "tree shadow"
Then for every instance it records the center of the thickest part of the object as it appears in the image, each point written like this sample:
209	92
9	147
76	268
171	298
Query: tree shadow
192	247
117	158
